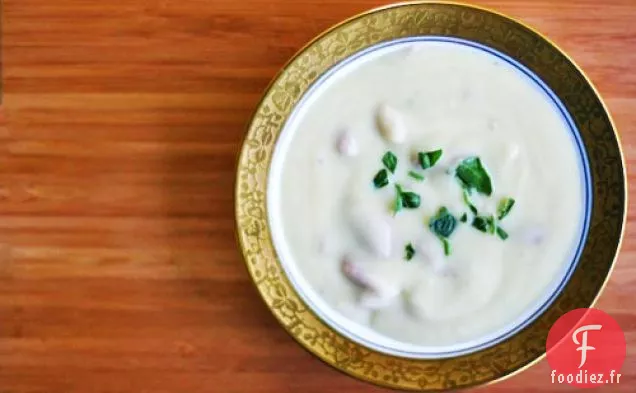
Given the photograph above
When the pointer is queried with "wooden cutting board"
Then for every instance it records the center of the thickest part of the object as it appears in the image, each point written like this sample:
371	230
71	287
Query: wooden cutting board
119	270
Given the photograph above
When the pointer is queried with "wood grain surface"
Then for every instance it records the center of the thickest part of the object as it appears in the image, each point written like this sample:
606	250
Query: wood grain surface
119	269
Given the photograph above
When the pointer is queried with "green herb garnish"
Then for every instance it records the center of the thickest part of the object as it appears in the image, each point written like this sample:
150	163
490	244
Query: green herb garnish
381	179
409	251
407	199
469	203
485	224
480	224
503	235
446	245
397	206
416	176
443	223
464	217
504	207
473	176
428	159
390	161
410	200
492	225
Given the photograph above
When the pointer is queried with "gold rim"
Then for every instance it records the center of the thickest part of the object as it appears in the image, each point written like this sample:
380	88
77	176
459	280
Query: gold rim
511	37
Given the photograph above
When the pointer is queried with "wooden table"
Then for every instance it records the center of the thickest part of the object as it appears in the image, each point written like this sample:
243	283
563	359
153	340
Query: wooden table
119	270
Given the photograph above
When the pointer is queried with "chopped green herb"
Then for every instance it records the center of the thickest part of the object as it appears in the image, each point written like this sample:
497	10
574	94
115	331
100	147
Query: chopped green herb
485	224
473	176
504	207
447	246
407	199
469	203
409	251
410	200
501	233
464	217
443	224
480	223
492	225
390	161
416	176
398	199
381	179
429	159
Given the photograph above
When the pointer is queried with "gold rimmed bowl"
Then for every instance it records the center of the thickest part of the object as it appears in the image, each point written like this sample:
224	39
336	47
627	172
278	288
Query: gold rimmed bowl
286	294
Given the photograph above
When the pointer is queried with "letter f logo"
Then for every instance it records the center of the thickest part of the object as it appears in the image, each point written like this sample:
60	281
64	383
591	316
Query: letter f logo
584	347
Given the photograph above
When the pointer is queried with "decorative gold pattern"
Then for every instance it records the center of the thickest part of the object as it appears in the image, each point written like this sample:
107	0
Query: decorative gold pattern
498	32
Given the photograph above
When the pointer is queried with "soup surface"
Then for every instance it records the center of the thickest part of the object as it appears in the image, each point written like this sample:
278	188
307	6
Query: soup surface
429	191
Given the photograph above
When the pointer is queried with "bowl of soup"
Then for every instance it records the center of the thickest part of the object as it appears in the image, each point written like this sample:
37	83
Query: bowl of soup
424	189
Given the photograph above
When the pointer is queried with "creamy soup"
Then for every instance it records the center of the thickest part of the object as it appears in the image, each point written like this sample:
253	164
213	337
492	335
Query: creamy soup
430	192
